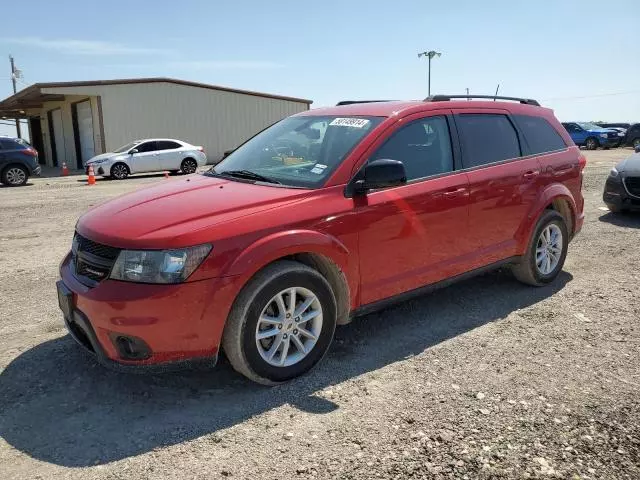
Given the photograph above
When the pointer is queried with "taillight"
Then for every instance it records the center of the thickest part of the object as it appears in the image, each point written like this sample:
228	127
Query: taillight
582	161
30	151
200	149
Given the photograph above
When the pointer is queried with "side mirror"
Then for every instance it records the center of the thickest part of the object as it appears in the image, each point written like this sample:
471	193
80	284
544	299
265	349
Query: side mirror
381	173
133	150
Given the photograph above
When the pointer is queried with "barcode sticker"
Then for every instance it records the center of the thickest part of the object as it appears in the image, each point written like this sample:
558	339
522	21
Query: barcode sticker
350	122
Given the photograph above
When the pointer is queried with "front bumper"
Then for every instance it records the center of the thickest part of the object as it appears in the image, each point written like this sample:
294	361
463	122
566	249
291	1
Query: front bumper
167	325
36	171
615	194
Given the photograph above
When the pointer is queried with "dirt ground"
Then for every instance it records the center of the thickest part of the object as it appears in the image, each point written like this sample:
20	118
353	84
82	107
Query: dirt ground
485	379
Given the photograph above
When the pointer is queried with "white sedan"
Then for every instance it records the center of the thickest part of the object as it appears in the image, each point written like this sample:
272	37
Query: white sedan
148	155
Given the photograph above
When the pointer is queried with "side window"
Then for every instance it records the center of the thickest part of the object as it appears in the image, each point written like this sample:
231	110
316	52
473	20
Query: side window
540	135
487	138
147	147
167	145
424	146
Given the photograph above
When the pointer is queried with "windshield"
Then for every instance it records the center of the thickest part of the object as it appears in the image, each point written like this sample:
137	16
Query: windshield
297	151
589	126
127	147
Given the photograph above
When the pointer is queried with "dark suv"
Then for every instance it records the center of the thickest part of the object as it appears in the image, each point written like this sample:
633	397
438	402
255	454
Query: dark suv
266	252
18	161
633	135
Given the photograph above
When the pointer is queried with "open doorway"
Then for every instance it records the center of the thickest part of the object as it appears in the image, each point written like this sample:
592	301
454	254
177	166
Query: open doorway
35	134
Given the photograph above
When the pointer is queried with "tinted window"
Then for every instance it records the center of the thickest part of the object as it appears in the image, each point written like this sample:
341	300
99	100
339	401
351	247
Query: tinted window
571	127
424	146
166	145
487	138
540	135
146	147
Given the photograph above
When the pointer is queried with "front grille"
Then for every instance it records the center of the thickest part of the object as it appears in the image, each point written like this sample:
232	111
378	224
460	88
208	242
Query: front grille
92	260
633	185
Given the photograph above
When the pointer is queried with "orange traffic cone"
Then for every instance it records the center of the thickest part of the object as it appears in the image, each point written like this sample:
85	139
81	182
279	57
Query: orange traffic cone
166	174
92	177
65	170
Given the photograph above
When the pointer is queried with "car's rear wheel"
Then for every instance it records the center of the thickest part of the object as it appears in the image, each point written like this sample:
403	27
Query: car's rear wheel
14	175
281	324
119	171
591	143
188	166
546	253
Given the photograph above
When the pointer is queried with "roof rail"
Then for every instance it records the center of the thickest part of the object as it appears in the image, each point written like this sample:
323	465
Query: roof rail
351	102
446	98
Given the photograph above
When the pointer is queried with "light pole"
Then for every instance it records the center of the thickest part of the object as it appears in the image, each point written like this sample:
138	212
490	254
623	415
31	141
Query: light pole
15	74
430	54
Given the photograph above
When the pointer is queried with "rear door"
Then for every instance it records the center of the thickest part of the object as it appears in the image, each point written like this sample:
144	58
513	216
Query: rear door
146	159
503	185
169	154
414	234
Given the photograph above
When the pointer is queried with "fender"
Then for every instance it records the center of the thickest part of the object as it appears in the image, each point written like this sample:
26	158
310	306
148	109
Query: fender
282	244
548	195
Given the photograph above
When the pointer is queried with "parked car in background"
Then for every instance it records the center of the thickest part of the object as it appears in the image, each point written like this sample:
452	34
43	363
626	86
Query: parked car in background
590	136
622	188
149	155
623	125
18	161
265	253
633	135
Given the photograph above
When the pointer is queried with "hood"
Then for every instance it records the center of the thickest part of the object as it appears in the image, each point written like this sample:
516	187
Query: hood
630	165
100	157
174	211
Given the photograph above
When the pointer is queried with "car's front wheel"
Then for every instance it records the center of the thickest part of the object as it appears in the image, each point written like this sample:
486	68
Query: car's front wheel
547	250
119	171
591	143
281	324
14	176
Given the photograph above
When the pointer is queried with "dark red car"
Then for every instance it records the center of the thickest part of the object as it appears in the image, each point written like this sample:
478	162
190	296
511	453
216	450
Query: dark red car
323	216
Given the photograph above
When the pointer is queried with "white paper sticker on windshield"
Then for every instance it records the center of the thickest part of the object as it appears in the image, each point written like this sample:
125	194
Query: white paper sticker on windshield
319	165
350	122
317	170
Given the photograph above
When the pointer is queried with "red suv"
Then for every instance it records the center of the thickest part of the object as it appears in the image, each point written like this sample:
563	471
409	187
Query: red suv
326	215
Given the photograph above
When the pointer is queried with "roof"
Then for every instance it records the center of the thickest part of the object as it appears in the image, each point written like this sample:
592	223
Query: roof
388	109
32	96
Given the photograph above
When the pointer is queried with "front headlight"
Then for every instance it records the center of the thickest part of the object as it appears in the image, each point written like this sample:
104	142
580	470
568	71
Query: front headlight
102	160
614	173
603	135
158	266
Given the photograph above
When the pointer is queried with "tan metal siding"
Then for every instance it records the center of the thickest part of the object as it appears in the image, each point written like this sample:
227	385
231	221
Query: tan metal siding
217	120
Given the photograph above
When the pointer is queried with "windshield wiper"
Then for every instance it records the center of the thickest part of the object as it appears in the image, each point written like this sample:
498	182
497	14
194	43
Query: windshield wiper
248	174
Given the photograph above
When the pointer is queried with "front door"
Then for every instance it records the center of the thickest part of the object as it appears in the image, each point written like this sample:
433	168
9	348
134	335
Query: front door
146	159
577	133
503	184
414	234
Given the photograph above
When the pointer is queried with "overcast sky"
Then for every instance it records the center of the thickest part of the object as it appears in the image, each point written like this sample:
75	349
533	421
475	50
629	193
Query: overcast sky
578	57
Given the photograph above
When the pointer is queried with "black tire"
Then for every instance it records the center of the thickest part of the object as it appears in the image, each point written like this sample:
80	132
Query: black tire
239	337
14	175
527	270
614	208
119	171
591	143
188	166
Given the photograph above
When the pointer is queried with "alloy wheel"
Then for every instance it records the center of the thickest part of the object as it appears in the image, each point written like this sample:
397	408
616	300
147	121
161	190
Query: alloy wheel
16	176
549	249
289	327
189	166
119	171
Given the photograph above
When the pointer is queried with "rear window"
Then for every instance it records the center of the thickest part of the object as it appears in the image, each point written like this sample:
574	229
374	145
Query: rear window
541	137
487	138
167	145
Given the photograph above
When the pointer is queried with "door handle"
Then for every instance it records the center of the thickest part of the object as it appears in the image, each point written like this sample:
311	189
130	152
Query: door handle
454	193
531	174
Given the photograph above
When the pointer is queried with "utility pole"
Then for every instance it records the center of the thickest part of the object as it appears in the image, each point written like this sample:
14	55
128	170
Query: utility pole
14	77
468	99
430	54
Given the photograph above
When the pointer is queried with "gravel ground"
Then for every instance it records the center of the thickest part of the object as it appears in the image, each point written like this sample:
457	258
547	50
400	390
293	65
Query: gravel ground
485	379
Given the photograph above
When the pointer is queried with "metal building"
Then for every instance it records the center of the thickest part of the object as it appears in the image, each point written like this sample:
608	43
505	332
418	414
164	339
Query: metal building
73	121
